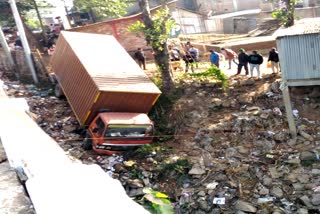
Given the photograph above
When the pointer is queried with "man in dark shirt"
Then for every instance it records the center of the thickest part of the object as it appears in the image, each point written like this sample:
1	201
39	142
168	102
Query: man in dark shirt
140	57
255	60
274	59
243	61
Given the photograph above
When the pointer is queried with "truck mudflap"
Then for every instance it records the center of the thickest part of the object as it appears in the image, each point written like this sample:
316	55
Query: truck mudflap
117	147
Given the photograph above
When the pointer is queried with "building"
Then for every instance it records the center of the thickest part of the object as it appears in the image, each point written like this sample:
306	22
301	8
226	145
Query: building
299	53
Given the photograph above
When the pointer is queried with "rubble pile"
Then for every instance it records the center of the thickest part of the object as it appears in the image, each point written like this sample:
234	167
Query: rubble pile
233	152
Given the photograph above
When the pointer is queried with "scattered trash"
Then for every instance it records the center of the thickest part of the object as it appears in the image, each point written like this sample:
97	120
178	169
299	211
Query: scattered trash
219	201
266	199
295	113
277	111
212	185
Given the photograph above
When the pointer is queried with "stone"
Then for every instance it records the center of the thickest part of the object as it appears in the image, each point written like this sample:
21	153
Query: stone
315	200
315	172
304	178
307	156
298	186
267	181
274	172
203	205
245	206
196	170
136	192
201	193
245	99
264	191
277	191
303	211
135	183
247	82
306	201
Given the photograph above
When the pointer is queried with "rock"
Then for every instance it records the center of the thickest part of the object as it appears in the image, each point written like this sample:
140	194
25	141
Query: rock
135	183
267	181
245	206
245	99
196	170
136	192
203	205
277	191
201	193
216	102
264	191
307	156
274	172
306	135
316	199
306	201
303	211
298	186
247	82
242	150
315	171
304	178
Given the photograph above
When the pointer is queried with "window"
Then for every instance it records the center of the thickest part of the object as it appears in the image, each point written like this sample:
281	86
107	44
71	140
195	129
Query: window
129	130
100	125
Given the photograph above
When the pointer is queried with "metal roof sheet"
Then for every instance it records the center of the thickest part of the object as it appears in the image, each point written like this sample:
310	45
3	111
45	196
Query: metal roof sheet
97	54
301	27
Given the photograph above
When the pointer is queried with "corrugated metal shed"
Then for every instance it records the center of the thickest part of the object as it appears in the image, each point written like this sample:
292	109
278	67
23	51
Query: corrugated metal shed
299	50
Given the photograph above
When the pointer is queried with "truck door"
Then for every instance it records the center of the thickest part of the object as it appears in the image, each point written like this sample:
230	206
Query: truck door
97	130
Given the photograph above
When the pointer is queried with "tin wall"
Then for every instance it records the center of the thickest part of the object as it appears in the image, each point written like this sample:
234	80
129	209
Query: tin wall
299	56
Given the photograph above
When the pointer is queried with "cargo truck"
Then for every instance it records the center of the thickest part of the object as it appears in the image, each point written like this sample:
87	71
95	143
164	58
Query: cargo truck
108	92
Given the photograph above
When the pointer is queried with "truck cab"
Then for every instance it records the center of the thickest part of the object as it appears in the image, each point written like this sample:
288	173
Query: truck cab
113	132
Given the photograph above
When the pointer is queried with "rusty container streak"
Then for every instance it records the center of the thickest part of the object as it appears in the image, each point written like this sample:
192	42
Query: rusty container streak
95	72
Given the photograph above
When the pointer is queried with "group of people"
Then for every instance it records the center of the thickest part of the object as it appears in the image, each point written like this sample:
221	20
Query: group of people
254	60
190	55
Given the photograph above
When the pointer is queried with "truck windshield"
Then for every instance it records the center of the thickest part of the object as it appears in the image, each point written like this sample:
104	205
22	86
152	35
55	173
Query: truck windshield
128	130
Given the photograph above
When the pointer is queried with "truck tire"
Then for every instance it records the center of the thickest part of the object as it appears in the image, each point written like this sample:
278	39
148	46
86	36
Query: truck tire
87	143
58	91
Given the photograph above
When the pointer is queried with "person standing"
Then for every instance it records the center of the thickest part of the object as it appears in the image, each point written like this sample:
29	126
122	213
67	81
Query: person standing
243	61
140	57
255	60
188	59
230	55
195	54
214	58
274	60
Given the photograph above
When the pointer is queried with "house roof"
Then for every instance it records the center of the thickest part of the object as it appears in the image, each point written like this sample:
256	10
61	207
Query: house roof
238	13
119	19
301	27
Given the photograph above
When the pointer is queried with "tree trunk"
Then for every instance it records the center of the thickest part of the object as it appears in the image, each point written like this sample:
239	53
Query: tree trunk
290	12
160	53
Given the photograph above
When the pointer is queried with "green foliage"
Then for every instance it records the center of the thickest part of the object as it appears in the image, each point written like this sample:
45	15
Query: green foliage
158	35
213	71
156	202
103	9
147	149
33	23
286	13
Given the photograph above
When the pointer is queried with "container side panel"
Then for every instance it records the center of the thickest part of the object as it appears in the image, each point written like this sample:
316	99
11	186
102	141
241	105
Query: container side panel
76	83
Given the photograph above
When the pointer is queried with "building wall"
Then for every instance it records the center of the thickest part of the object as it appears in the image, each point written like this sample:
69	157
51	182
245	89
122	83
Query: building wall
119	29
189	22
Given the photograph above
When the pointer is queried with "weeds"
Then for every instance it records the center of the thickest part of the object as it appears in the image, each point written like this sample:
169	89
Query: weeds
215	72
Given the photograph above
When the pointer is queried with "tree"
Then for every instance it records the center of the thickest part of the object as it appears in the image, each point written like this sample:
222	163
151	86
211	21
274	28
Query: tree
285	12
156	30
102	9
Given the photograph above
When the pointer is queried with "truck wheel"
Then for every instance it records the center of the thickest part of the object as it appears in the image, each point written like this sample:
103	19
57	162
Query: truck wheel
87	143
58	91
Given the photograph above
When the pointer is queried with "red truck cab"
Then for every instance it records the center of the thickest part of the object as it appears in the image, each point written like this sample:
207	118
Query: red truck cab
113	132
